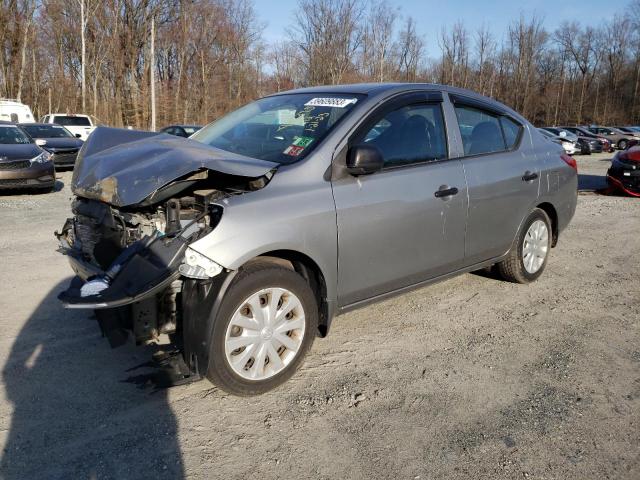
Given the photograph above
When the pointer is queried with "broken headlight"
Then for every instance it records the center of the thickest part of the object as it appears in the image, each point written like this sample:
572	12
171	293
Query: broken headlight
198	266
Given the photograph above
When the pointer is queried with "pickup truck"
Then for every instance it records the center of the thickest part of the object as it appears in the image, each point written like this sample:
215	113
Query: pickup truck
80	125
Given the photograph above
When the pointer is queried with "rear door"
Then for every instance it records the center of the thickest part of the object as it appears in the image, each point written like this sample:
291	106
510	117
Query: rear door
395	227
503	176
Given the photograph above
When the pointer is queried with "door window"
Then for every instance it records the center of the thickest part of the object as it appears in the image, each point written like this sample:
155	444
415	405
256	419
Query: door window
410	134
485	132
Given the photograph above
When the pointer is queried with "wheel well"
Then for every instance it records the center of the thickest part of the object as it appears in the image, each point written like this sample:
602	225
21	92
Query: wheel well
553	216
311	272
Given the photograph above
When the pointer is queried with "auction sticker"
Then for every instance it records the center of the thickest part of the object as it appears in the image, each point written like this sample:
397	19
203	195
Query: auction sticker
303	142
330	102
294	150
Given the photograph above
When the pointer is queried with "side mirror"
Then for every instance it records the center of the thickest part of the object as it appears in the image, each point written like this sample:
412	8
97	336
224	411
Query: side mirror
78	135
41	142
364	159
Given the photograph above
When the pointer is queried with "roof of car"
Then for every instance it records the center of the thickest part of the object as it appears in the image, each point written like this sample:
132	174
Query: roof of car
364	88
68	114
373	89
35	124
188	125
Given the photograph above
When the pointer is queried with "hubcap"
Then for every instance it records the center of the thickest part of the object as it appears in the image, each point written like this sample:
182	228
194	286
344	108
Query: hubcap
535	246
265	333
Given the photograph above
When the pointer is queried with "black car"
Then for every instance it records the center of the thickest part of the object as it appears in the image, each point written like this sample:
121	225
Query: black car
181	130
23	164
624	173
57	140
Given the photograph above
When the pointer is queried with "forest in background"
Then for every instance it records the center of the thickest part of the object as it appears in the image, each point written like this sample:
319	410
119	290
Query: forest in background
209	57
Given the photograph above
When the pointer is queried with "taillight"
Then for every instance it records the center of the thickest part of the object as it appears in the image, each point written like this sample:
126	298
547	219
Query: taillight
569	160
632	155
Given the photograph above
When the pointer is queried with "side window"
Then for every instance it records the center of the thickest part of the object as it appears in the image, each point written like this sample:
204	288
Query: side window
486	132
410	134
480	131
511	131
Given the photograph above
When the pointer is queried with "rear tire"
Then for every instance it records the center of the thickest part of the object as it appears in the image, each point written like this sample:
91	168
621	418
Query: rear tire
622	144
527	259
247	356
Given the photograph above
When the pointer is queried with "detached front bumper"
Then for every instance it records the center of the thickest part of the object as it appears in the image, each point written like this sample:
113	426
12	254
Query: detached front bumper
144	269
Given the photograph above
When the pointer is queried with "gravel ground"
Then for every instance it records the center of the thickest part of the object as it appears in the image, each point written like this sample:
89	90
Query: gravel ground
470	378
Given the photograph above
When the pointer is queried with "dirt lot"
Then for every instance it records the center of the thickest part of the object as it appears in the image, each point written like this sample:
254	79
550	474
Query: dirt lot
471	378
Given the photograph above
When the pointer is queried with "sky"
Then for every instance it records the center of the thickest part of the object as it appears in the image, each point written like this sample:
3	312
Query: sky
432	15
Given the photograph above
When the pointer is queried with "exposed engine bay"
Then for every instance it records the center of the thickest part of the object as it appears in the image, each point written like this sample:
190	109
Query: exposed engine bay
120	253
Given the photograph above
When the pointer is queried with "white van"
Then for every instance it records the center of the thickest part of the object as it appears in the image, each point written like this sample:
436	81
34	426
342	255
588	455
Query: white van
80	125
14	111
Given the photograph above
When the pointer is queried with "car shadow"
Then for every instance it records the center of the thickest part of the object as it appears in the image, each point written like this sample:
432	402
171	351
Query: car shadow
16	192
74	414
591	182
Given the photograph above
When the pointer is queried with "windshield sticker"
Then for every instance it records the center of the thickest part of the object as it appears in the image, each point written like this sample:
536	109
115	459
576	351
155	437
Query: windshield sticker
331	102
293	150
303	142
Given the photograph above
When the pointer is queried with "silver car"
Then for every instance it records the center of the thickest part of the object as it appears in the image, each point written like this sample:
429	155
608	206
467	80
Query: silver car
243	242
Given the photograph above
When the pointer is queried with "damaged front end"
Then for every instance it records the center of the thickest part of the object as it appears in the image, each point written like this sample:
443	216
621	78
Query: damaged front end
133	221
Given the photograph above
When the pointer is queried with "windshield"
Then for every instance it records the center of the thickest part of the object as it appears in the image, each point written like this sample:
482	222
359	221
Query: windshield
12	135
71	121
283	128
47	131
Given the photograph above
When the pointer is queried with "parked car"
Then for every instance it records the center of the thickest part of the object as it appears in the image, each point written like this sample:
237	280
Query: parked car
80	125
244	241
570	147
14	111
587	145
23	164
624	173
181	130
57	140
584	132
615	136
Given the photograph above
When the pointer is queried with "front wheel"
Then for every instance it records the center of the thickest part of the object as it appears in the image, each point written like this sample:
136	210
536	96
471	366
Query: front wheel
264	328
622	144
527	259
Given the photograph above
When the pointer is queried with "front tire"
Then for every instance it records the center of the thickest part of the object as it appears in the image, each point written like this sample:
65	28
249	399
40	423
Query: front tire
622	144
265	326
527	259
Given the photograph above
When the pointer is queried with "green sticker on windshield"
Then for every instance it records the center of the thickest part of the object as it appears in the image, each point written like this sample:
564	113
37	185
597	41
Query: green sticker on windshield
303	142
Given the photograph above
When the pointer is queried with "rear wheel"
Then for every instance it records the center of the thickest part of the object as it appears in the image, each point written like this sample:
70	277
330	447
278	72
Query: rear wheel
622	144
527	260
265	326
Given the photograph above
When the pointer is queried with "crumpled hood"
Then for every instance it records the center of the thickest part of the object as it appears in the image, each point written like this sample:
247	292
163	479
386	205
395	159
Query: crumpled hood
123	167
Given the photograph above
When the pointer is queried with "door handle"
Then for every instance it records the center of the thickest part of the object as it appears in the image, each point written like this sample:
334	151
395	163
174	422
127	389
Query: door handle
528	176
445	191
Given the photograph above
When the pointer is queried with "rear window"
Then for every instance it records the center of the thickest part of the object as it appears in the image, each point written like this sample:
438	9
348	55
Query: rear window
71	121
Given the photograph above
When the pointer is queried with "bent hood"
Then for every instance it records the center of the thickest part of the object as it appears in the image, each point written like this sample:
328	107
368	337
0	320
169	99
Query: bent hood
124	167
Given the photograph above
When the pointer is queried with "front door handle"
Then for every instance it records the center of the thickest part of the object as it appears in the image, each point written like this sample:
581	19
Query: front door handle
445	191
529	176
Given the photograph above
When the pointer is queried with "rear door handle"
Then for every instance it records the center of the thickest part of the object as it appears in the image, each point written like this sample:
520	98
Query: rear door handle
445	191
528	176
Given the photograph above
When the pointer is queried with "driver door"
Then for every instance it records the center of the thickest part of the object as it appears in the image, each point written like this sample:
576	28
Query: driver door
394	229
